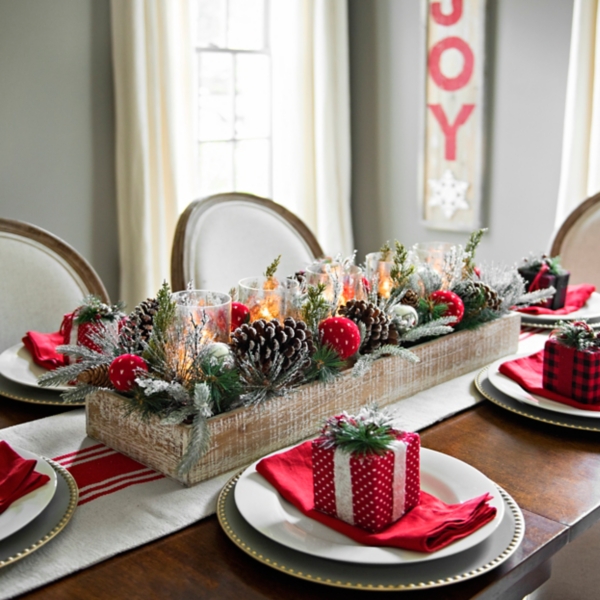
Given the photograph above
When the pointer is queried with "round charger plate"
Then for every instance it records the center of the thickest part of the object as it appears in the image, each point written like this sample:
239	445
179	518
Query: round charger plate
25	509
45	526
511	388
488	391
17	365
590	312
15	391
444	476
468	564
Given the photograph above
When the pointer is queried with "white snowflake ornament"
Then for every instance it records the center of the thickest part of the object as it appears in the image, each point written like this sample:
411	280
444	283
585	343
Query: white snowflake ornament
448	193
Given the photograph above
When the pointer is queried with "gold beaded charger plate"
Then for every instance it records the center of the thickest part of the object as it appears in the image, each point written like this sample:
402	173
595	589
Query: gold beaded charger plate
16	364
480	559
590	313
447	478
15	391
491	393
47	525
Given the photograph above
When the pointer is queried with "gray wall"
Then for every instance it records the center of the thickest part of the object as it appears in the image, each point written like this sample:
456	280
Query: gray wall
57	124
527	63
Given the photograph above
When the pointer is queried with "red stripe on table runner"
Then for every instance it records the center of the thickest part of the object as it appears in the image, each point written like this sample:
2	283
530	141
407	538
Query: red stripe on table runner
100	471
527	334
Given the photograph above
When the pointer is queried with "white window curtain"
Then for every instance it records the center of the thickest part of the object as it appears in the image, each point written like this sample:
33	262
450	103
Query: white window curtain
153	74
155	113
580	169
311	116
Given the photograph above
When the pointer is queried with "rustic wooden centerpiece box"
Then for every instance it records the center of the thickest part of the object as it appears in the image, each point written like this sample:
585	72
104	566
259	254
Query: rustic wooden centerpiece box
244	435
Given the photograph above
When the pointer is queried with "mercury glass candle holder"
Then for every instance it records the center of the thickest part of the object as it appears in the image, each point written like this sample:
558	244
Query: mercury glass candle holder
207	309
379	273
264	297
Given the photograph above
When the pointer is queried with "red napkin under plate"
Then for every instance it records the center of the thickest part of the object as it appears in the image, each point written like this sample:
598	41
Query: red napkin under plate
577	296
528	372
430	526
18	476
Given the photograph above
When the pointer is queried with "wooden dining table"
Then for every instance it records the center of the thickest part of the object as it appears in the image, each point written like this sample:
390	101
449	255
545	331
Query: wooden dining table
552	472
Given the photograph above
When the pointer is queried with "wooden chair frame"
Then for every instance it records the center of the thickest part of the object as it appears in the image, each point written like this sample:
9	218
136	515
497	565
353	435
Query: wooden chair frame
85	271
178	281
575	215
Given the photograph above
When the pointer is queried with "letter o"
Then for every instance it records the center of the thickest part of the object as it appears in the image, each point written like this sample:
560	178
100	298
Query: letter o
451	84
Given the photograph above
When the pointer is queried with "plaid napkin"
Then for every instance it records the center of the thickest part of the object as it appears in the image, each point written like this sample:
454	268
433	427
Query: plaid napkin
18	476
430	526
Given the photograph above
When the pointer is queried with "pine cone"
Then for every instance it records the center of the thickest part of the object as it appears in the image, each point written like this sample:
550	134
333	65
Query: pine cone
265	341
97	376
379	328
472	292
410	298
138	325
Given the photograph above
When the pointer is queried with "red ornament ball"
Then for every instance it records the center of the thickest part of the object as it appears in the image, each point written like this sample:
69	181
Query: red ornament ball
240	314
341	334
123	371
455	306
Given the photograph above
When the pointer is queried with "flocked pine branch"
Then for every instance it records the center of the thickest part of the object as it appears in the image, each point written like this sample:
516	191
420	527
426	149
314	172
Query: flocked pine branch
365	362
433	328
430	279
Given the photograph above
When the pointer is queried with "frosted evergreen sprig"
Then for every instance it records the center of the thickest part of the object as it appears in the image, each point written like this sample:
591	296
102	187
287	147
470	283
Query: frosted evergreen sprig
470	249
92	309
370	431
577	334
364	364
430	279
433	328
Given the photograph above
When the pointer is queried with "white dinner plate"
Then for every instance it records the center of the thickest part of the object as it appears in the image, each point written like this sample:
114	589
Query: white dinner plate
443	476
589	312
22	511
511	388
17	365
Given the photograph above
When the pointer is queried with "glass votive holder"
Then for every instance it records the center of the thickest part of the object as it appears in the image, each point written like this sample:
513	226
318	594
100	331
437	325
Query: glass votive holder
353	287
435	255
379	273
327	274
264	297
207	309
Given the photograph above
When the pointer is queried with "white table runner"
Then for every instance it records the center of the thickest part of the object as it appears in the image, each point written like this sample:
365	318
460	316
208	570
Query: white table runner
124	504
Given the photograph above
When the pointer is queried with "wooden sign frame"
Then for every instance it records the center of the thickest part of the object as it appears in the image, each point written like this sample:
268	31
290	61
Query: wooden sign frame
451	175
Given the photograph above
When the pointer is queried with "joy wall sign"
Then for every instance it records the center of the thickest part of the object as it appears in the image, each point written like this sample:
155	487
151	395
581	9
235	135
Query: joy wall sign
454	93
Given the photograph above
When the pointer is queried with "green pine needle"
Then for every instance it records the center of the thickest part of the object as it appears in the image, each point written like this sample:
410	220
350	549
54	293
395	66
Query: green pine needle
470	249
326	365
93	308
315	307
385	251
272	268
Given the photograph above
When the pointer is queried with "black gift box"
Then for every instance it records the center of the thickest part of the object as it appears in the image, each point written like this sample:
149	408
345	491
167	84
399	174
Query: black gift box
558	282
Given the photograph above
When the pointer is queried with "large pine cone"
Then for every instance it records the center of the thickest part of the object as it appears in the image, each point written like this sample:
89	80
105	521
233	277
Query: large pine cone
265	341
410	298
139	324
379	327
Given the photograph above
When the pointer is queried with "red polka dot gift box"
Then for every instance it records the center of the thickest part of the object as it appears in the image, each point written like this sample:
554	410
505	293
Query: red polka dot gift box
572	363
365	472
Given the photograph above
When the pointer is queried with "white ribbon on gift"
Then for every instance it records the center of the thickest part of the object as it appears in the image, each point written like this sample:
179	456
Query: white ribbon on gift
343	482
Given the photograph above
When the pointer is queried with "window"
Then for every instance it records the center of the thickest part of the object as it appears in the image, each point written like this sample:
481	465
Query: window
234	97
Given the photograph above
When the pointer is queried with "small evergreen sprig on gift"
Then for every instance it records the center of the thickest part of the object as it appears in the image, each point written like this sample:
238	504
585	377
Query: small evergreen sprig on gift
535	262
578	335
92	308
369	432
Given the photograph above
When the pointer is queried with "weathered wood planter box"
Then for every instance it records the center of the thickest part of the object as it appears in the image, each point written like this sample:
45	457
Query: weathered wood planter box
244	435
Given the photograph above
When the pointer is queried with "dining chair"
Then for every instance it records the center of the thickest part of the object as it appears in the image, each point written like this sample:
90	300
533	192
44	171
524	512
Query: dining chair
41	279
577	242
226	237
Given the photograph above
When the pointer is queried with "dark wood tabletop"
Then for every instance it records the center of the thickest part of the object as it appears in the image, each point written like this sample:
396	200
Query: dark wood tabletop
553	473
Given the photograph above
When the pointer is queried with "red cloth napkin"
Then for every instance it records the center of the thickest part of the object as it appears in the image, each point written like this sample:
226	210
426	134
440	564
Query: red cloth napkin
42	347
17	476
577	296
430	526
528	372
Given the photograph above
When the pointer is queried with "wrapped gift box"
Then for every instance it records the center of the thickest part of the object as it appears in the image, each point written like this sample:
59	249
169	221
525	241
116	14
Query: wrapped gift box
370	491
571	372
247	434
558	282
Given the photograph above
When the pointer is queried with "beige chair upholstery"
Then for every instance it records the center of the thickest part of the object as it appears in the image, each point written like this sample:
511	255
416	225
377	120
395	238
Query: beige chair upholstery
577	242
41	279
224	238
